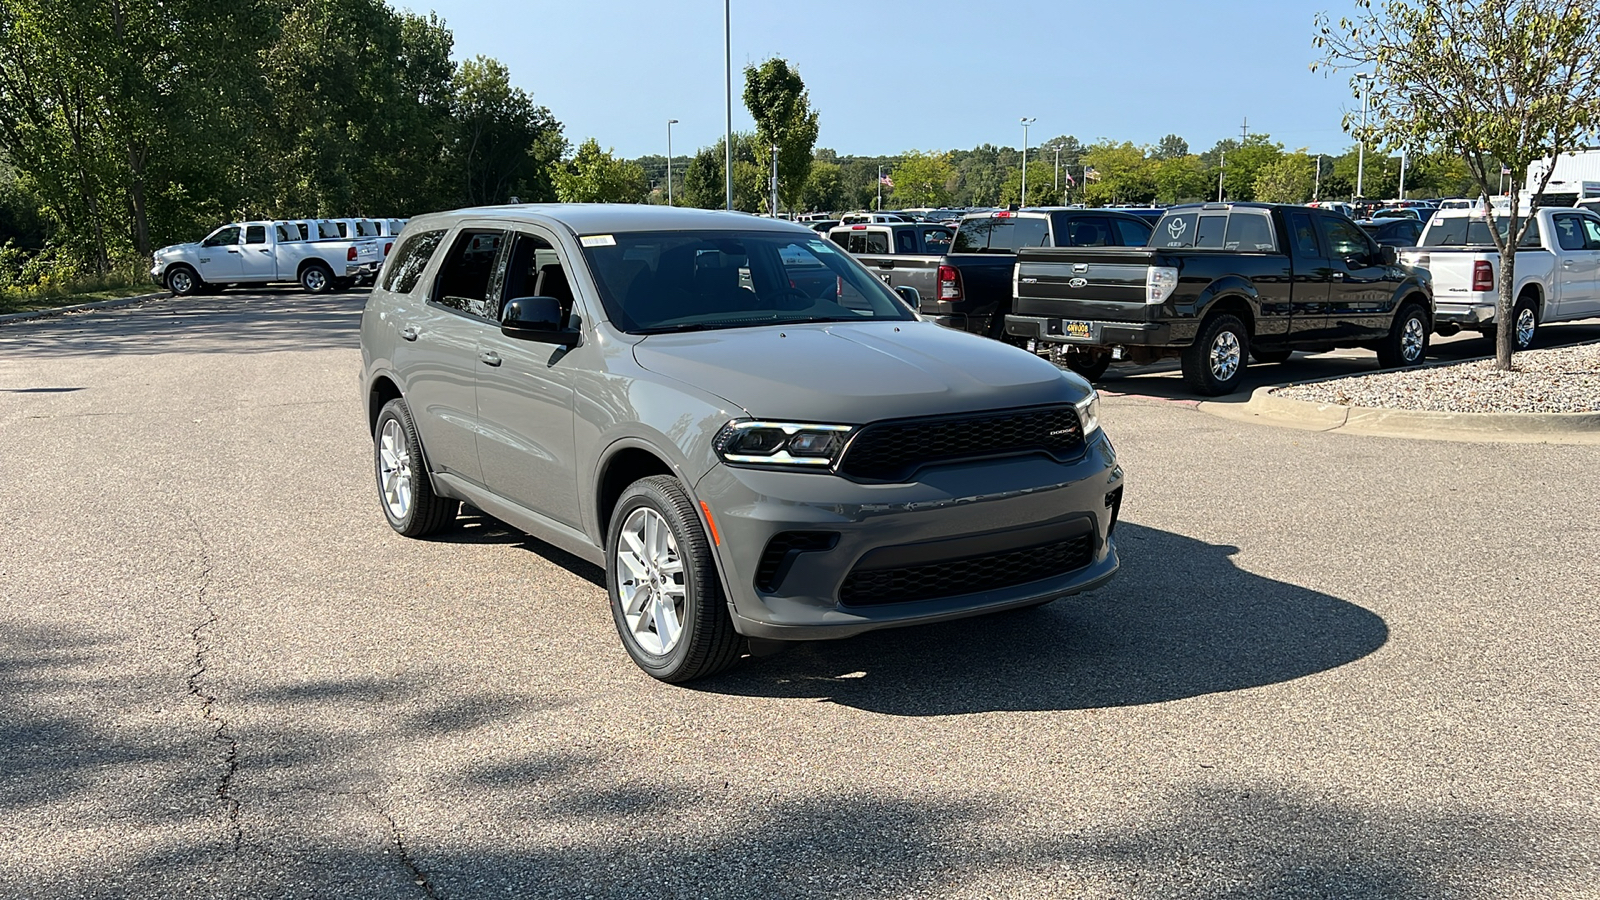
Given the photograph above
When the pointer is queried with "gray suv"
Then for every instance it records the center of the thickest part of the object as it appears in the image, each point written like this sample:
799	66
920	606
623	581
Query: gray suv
757	439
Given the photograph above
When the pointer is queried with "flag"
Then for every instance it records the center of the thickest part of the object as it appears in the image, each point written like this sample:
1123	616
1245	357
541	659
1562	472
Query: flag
1505	169
1090	174
886	181
1070	182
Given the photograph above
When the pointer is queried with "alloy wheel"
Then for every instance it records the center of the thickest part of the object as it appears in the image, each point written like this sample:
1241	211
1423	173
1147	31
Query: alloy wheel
1412	339
394	463
1224	355
650	580
1526	323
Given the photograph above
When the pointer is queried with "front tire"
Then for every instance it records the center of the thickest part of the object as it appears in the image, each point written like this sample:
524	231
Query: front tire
1407	342
316	278
666	600
183	282
404	489
1214	364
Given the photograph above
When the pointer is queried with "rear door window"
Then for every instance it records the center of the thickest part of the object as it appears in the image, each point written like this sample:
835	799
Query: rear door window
1303	235
935	239
255	234
1131	233
1248	232
877	241
405	267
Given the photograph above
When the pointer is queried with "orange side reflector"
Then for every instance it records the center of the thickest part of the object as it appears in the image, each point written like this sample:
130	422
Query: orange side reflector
715	538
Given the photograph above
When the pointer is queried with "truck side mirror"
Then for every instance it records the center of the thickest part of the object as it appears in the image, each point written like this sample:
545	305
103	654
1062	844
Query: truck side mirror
1388	255
910	295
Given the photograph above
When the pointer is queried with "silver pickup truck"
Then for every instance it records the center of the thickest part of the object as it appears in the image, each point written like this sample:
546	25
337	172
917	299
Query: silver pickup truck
901	254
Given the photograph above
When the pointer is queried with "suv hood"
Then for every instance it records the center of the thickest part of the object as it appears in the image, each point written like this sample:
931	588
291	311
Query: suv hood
853	373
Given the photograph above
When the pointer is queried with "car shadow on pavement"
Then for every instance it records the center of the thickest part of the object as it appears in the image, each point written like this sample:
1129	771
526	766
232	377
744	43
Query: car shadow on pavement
1180	620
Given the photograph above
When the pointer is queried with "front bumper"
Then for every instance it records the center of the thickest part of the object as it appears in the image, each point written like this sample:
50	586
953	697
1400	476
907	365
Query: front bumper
987	507
156	273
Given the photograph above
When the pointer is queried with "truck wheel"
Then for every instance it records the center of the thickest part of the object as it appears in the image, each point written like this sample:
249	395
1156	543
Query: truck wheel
1407	342
1524	324
1090	367
1214	364
1270	356
316	278
665	597
183	282
404	491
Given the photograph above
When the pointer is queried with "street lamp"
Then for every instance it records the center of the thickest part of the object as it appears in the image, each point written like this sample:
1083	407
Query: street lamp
1026	121
670	123
1361	155
727	62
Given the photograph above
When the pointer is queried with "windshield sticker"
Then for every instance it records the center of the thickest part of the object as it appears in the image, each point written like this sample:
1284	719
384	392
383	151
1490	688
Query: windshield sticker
819	246
1176	228
598	240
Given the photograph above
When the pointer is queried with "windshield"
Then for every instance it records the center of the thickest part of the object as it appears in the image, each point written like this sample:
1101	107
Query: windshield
654	282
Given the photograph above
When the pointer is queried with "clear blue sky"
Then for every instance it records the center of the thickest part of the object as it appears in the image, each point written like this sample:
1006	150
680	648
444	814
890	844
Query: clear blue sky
930	75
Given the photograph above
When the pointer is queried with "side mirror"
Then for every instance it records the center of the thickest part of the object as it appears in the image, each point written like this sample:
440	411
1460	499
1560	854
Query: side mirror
910	295
535	319
1389	255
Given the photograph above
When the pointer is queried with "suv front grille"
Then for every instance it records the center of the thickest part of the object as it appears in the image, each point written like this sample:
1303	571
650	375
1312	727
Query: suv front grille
893	451
955	577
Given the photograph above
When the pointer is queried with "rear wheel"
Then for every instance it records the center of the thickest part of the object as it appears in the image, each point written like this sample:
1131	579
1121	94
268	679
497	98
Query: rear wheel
1524	324
1214	364
404	489
316	278
666	599
1407	342
1090	366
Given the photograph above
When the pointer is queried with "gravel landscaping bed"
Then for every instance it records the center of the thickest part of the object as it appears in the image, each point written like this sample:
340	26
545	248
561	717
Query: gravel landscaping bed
1545	381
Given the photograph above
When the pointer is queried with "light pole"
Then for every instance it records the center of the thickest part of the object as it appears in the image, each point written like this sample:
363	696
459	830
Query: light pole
1026	121
1402	195
1057	185
1316	186
1361	154
880	187
1222	169
727	62
773	208
670	123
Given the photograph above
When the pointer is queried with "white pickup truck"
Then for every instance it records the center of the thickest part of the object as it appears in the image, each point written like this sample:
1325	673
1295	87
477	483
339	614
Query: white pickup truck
264	253
1557	273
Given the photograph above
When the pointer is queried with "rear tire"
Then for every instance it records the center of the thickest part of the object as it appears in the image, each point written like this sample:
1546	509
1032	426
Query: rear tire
666	599
316	278
1407	342
1214	364
404	490
1524	324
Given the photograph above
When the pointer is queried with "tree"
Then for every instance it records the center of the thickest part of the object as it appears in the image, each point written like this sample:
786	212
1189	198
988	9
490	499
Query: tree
1124	175
923	179
596	176
781	105
1287	180
824	188
1182	178
1171	147
1040	180
1512	81
703	184
504	144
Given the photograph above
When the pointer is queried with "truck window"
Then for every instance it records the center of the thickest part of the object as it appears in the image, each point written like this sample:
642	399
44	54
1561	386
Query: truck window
1473	231
905	241
1569	233
1346	240
222	237
1191	229
328	231
936	239
1591	229
1086	231
463	283
405	267
1131	232
255	234
1248	232
1001	234
284	236
877	242
1304	235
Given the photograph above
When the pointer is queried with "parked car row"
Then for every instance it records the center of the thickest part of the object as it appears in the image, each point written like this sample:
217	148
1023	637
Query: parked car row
318	254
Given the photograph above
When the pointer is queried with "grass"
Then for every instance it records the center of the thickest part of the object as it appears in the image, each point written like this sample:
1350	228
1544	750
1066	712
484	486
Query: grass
71	295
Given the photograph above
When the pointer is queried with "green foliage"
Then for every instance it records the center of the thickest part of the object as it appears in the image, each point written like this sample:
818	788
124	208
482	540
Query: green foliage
1170	147
781	106
824	188
1287	179
1183	178
703	183
923	179
505	146
1126	175
1041	178
595	176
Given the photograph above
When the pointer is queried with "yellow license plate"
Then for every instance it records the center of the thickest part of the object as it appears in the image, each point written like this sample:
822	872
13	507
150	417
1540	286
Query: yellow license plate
1077	331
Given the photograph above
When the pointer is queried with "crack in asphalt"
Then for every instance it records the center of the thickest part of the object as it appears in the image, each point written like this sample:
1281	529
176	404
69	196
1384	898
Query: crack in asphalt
418	877
208	702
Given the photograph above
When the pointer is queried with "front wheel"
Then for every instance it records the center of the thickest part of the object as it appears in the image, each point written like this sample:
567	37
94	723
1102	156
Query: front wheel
404	489
665	597
1407	341
1214	364
183	281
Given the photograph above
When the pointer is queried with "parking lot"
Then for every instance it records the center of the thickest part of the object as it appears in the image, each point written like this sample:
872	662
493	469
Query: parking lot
1331	666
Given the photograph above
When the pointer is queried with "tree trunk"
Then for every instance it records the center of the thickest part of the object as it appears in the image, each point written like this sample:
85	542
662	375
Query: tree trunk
1505	326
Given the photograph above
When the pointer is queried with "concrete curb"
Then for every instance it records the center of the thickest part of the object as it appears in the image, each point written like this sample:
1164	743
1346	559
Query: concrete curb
1266	408
80	307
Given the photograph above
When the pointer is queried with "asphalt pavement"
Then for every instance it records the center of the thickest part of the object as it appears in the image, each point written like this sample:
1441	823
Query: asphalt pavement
1332	666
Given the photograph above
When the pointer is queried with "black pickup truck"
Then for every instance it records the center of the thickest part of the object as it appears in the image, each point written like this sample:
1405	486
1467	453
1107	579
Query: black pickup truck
1217	284
973	288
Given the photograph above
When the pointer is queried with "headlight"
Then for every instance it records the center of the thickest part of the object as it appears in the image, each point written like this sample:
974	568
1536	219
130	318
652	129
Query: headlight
753	443
1089	413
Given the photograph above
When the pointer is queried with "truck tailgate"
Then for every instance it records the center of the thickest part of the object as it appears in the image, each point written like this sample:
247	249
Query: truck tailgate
915	271
368	251
1099	284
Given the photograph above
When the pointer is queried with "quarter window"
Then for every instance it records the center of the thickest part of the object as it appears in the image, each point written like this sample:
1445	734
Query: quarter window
407	263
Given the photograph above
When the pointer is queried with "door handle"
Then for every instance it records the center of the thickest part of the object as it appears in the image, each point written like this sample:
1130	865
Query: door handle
232	250
886	264
490	359
1338	276
409	332
1566	264
263	250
